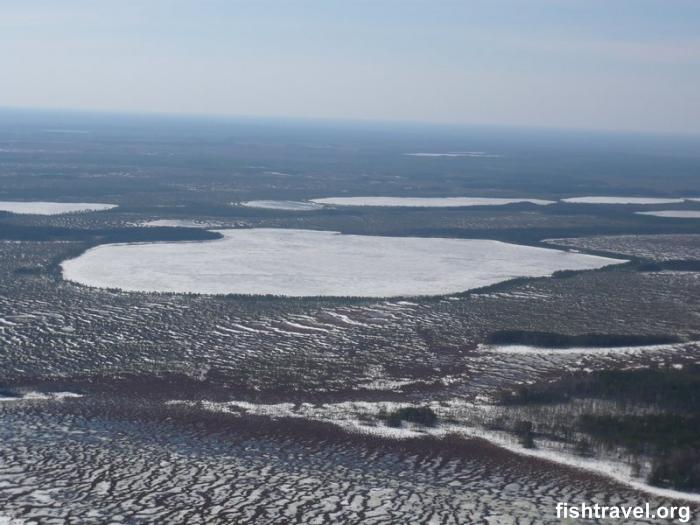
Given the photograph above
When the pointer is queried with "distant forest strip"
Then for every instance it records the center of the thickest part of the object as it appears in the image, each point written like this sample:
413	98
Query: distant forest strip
12	232
554	340
673	265
533	236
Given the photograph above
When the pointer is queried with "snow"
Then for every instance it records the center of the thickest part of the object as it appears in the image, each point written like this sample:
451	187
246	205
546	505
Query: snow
674	214
538	350
620	200
353	416
426	202
283	205
7	520
40	396
610	469
318	263
52	208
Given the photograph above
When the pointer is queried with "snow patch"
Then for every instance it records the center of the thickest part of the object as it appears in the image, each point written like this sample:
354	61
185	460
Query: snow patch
538	350
41	396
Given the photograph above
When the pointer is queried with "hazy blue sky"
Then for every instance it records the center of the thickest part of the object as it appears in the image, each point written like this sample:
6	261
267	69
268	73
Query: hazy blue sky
609	64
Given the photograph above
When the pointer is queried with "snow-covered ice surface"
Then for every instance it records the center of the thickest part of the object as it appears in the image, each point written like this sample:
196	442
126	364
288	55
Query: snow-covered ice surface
52	208
283	205
302	263
673	214
621	200
426	202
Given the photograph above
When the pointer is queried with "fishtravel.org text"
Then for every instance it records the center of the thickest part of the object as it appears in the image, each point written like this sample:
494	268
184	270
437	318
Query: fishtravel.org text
646	511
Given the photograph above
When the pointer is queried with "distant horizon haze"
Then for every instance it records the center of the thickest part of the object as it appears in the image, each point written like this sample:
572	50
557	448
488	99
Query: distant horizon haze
146	114
627	66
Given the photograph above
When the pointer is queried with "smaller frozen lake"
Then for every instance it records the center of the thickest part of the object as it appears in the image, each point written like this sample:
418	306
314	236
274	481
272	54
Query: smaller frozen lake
426	202
479	154
283	205
621	200
673	214
52	208
180	223
302	263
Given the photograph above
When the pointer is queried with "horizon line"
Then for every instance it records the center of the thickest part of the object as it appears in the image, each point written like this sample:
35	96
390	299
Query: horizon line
349	120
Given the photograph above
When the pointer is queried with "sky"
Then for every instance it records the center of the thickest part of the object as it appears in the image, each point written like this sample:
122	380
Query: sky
589	64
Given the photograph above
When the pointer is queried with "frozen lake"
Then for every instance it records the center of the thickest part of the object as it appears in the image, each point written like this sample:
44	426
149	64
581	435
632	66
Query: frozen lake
283	205
52	208
317	263
621	200
454	154
673	214
180	223
425	202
